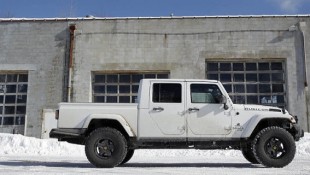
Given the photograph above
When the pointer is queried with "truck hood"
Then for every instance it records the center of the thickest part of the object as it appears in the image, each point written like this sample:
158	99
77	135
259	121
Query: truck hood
258	108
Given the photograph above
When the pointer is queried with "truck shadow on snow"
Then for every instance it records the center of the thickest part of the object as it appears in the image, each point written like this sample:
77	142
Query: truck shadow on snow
27	163
191	165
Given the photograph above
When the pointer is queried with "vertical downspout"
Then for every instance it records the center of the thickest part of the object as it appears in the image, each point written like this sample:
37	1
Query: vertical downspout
301	28
70	66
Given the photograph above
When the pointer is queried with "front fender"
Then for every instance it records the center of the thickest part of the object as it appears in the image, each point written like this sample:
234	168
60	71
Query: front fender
116	117
255	120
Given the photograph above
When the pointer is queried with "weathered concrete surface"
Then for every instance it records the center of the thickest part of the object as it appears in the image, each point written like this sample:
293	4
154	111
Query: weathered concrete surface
176	45
37	48
181	46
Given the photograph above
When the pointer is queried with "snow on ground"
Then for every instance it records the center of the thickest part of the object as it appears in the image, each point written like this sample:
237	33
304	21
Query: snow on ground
26	155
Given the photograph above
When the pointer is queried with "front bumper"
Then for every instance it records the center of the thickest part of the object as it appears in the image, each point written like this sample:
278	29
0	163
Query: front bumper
298	132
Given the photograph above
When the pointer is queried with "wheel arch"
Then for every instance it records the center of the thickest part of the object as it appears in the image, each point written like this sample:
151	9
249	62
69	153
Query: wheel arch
260	124
95	121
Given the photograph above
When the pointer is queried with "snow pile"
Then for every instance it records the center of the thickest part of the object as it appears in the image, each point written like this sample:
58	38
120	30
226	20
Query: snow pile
303	145
21	145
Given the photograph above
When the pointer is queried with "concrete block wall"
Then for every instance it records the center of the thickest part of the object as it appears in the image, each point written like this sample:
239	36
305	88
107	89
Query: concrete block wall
180	46
37	48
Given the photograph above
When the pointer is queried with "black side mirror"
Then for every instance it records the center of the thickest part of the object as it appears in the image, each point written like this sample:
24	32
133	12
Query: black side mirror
223	100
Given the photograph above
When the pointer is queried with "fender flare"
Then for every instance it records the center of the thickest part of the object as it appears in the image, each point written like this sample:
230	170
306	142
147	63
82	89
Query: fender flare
116	117
253	123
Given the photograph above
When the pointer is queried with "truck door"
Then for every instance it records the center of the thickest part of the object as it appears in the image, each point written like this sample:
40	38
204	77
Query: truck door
205	115
166	107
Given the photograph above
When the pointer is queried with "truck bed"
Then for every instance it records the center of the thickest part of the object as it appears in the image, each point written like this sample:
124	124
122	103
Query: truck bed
74	115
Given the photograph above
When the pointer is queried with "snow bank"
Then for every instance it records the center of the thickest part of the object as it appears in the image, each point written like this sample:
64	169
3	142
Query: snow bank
303	146
21	145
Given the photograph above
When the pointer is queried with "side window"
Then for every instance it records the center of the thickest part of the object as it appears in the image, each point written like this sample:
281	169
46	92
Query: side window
205	93
167	93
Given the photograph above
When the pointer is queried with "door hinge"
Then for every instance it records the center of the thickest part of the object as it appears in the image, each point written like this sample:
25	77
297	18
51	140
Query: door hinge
227	128
181	128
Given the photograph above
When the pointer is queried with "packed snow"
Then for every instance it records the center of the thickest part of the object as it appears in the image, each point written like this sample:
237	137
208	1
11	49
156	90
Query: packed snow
26	155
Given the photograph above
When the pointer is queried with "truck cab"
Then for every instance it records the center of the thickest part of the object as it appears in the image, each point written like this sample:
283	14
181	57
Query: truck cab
183	110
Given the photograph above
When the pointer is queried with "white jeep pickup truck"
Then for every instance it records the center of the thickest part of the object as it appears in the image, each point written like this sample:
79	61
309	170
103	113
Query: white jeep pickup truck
178	113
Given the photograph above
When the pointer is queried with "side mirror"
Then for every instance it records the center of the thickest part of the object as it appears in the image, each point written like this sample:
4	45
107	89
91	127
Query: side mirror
223	100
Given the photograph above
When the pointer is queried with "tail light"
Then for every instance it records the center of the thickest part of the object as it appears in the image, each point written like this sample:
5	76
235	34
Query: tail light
57	114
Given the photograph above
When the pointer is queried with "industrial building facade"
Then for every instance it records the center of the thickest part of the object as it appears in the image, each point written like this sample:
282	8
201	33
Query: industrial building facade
259	60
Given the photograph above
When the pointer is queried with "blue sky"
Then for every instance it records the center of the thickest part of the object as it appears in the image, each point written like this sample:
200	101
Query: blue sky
149	8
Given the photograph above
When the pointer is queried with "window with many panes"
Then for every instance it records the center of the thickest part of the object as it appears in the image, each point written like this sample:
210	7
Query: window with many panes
119	87
13	98
251	82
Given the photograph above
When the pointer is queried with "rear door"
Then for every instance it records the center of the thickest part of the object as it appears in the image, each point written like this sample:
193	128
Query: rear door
166	107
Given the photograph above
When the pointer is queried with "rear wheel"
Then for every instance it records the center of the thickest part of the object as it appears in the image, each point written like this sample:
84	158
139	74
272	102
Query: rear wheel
106	147
129	155
274	147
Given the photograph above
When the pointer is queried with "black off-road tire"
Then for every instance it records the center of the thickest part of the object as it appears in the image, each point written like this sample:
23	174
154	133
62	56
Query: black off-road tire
105	147
274	147
128	156
248	154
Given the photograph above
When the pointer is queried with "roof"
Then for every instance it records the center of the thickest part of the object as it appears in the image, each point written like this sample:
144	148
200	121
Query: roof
182	80
135	18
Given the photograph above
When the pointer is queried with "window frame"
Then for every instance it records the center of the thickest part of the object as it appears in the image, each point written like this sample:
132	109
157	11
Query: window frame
256	73
115	81
14	100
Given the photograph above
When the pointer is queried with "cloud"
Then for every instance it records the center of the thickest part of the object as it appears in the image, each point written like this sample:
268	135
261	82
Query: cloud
290	6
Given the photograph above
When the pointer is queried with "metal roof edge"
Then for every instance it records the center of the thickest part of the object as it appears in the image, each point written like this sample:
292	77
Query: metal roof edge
134	18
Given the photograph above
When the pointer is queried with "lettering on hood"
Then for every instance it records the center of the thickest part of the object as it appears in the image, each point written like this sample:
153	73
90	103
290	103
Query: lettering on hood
255	109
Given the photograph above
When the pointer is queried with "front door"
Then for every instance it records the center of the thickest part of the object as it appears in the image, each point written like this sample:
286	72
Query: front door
205	115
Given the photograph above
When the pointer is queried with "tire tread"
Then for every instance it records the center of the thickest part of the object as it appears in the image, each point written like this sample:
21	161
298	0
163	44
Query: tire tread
102	131
281	163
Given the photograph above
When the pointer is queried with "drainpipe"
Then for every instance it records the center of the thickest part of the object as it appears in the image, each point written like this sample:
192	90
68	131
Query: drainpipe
302	26
70	66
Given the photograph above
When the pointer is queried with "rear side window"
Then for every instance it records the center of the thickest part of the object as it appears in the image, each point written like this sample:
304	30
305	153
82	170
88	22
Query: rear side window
167	93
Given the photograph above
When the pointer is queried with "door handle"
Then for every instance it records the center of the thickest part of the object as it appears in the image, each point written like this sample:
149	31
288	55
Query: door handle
193	109
158	109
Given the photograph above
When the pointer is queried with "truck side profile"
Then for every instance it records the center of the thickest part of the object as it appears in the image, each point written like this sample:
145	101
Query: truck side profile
179	113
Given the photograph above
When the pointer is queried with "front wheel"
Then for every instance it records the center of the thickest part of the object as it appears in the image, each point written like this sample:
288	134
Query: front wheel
106	147
248	154
274	147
